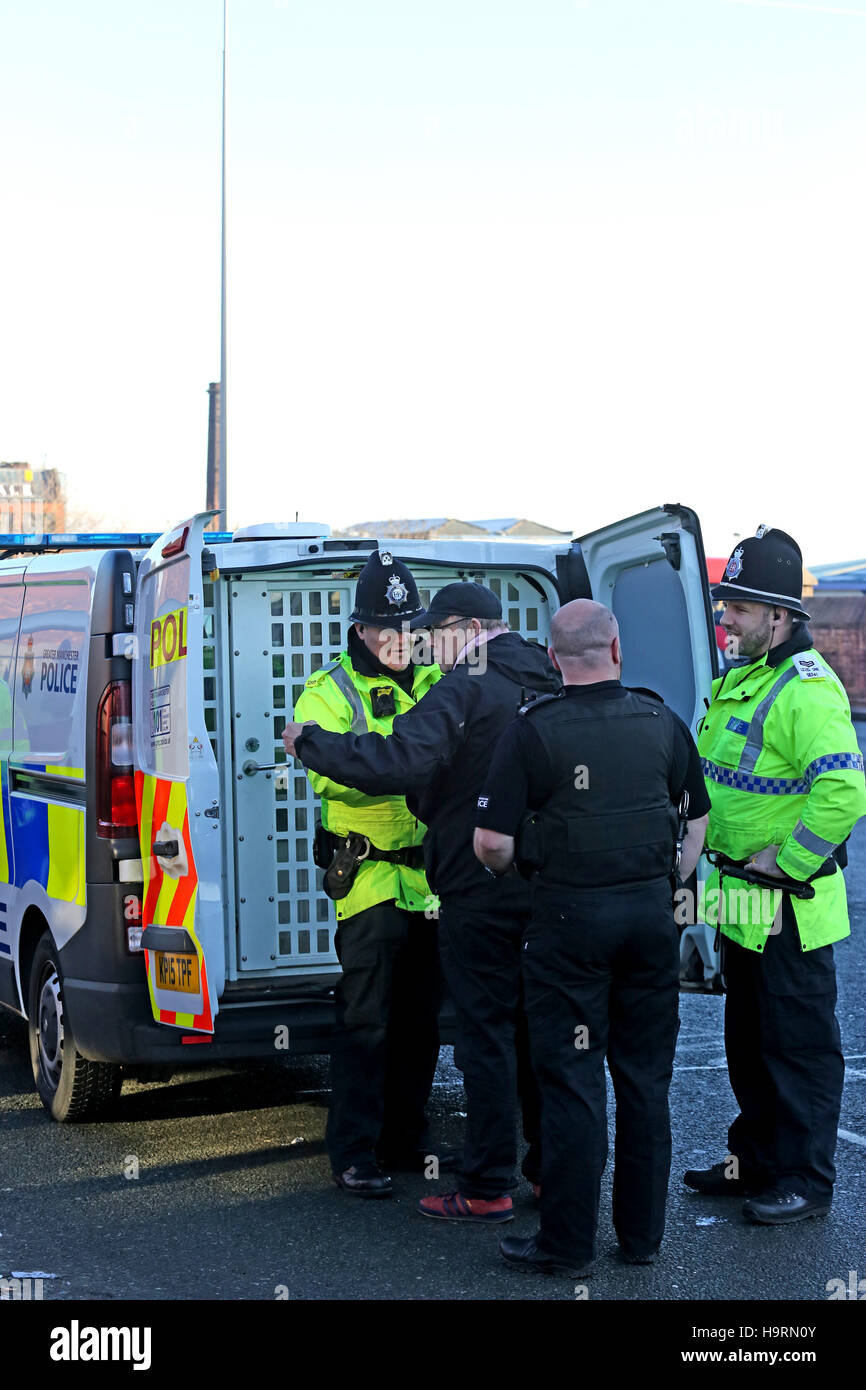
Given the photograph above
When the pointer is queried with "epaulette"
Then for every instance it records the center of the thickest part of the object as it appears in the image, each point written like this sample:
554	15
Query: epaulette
643	690
807	668
540	700
316	677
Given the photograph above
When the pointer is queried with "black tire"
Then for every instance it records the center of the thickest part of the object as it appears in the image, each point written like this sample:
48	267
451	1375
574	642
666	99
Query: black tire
70	1087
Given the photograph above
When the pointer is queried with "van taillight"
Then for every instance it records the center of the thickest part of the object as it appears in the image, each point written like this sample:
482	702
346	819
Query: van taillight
115	787
175	543
123	801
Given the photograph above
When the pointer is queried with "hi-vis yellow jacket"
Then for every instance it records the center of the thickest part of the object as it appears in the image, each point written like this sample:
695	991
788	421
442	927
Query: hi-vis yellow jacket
339	698
782	767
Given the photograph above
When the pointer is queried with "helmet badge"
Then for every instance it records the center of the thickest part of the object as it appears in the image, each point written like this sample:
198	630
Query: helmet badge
386	557
396	592
735	564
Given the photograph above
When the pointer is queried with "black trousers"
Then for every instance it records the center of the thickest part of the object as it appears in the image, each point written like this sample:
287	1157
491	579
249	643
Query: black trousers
785	1061
601	975
480	943
386	1035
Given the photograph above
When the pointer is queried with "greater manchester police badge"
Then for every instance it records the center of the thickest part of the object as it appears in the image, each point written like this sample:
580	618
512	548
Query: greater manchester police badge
396	591
735	564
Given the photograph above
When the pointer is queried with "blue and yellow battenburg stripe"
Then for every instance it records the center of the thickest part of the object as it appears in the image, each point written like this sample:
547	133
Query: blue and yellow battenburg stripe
47	841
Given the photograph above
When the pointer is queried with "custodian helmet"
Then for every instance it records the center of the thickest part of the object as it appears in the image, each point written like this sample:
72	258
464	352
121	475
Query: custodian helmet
386	594
765	568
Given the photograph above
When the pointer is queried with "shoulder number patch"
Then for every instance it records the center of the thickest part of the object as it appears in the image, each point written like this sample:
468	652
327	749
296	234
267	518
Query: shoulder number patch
808	668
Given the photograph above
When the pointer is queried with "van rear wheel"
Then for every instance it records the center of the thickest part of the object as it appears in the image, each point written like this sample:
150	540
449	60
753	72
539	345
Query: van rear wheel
70	1086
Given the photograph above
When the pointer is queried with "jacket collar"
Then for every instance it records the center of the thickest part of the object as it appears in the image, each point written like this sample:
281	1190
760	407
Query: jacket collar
799	641
740	676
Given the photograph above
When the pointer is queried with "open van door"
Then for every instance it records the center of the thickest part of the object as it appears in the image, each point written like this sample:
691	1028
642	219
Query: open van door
177	787
651	571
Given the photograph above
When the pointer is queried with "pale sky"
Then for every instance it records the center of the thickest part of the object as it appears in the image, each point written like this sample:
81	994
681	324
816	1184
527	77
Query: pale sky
563	259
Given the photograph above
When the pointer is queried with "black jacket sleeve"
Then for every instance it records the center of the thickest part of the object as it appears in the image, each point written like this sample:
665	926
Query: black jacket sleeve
519	777
687	775
421	741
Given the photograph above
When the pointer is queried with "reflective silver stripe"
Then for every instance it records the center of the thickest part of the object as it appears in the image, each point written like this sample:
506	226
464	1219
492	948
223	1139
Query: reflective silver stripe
804	836
343	683
755	737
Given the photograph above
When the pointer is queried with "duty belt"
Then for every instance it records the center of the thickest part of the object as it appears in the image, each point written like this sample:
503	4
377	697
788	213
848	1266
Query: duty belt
409	857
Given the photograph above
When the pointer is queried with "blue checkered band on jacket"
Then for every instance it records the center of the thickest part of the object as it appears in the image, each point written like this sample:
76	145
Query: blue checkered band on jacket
834	762
750	782
782	786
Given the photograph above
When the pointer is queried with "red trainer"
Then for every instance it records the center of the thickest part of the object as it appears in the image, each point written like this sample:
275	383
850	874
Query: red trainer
536	1191
453	1206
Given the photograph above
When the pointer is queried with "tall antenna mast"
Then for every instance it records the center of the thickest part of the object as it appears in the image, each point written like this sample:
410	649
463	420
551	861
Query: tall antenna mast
221	479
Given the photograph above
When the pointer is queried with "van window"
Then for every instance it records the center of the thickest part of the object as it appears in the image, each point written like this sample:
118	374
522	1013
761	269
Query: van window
161	723
11	597
51	671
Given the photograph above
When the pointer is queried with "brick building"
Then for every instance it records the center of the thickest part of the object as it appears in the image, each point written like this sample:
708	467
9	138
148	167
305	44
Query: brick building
839	633
31	499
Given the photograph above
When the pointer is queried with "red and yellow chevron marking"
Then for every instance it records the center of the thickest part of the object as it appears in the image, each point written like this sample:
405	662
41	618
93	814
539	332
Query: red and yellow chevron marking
168	902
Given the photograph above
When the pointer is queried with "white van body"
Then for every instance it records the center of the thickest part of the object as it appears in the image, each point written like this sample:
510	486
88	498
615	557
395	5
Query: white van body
221	935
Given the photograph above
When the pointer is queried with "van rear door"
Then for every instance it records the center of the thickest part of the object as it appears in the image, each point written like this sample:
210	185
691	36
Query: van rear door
177	787
651	571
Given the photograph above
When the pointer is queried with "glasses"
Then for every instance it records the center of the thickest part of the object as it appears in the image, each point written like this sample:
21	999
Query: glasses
440	627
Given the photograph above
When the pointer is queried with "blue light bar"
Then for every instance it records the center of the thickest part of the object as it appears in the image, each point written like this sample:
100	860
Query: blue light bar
93	540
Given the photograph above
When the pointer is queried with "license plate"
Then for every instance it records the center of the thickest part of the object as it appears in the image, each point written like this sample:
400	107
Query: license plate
178	971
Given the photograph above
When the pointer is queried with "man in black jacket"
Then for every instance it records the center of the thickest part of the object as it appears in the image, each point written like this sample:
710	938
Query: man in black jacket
604	769
437	756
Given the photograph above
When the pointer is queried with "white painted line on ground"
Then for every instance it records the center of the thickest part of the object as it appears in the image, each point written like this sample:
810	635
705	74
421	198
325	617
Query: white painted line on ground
716	1066
852	1138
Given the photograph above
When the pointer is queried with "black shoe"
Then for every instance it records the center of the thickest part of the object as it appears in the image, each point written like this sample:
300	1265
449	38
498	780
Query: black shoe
631	1259
776	1207
365	1180
525	1255
417	1160
712	1182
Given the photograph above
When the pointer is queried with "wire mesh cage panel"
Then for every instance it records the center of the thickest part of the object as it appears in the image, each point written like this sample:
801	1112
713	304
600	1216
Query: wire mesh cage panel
283	629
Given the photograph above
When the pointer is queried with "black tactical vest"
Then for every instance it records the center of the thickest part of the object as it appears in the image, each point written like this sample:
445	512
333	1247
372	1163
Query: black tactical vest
610	819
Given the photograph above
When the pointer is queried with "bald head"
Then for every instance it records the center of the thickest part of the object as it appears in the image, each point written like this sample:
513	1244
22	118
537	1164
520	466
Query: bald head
584	639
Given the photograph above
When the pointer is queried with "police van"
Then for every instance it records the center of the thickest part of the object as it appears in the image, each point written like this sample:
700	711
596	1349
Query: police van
159	904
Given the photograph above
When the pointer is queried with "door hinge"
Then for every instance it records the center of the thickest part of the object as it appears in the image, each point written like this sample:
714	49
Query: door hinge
671	544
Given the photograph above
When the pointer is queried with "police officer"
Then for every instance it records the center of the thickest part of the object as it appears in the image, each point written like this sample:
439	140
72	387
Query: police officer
603	768
386	1040
439	753
785	776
